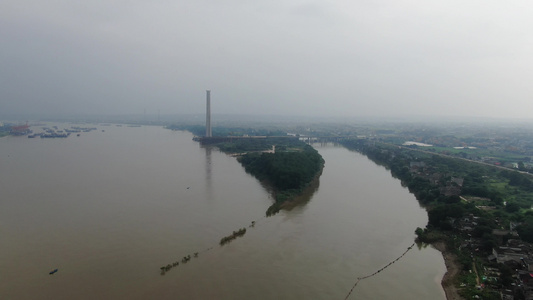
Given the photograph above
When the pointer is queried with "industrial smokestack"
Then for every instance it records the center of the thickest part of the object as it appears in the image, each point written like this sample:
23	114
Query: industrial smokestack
208	114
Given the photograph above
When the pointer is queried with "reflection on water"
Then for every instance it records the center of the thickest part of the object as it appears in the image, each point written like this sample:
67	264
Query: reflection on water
109	209
299	202
208	170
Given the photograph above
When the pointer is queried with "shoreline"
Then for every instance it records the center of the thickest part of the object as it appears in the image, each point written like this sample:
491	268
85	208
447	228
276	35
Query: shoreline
305	195
452	270
294	199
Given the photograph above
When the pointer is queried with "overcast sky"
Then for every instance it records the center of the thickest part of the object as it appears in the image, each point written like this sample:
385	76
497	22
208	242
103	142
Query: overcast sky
345	58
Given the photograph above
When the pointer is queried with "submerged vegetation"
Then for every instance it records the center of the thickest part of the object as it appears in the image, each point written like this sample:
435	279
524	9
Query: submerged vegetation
223	241
232	236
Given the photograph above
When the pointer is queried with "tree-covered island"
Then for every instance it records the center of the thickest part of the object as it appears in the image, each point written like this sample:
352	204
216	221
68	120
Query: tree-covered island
289	169
284	163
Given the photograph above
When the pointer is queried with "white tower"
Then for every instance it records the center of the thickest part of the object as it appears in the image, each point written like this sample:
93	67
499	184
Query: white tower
208	114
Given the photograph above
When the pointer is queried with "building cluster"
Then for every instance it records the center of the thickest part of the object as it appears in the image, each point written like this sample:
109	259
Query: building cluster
518	255
509	250
448	186
13	129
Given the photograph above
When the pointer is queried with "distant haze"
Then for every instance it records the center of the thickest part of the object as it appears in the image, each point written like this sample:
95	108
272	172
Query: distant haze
308	58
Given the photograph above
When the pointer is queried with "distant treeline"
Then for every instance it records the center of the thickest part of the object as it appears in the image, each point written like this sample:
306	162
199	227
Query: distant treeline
260	144
479	180
199	130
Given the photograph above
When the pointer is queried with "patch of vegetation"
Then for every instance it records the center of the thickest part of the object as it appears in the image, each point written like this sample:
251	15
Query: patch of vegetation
199	130
429	236
284	170
288	172
260	144
232	236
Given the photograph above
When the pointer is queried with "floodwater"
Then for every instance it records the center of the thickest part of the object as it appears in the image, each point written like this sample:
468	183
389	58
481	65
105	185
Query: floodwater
108	209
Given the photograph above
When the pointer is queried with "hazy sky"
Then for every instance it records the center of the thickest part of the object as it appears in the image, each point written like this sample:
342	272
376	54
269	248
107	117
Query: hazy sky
346	58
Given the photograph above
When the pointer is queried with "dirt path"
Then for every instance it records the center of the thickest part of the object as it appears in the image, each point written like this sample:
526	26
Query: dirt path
475	270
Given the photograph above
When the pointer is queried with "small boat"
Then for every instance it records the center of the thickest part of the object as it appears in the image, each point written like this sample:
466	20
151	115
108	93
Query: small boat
53	272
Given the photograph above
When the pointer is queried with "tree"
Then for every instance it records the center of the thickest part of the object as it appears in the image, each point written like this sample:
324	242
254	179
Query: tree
525	230
512	207
441	216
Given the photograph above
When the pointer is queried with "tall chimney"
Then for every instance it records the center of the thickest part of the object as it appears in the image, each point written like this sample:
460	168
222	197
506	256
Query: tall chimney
208	114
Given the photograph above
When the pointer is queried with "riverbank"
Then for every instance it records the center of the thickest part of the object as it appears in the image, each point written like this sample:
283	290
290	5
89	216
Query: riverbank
452	271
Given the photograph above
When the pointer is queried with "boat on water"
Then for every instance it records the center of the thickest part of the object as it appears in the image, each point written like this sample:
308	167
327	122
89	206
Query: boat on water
53	271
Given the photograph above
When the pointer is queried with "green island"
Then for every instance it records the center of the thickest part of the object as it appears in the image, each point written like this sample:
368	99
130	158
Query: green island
289	169
284	163
479	216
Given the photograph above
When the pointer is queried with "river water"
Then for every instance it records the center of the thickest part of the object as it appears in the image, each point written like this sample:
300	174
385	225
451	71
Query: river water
108	209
